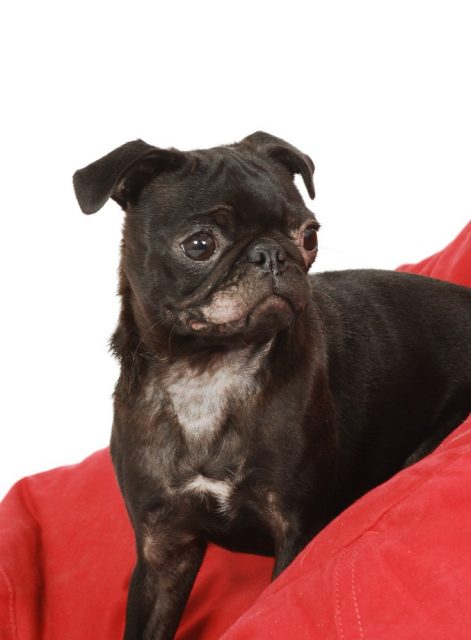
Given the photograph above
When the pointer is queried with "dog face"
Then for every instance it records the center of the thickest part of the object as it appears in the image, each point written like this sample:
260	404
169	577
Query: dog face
217	242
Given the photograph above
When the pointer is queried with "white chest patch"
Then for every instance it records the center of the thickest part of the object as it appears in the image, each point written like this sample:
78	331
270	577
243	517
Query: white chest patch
220	489
201	399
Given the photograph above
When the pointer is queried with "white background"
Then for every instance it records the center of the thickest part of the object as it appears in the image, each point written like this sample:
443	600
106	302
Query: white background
378	93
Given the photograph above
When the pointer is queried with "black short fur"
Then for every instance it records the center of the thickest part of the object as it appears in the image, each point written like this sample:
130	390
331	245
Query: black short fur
256	402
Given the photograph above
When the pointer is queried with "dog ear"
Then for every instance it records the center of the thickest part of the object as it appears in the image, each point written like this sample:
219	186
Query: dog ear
122	174
293	159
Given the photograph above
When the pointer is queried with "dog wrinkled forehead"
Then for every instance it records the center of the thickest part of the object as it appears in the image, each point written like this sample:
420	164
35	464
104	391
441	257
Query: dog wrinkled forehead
223	178
260	164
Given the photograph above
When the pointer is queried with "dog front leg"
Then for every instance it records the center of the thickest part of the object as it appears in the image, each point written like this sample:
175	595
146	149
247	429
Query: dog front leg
285	527
160	585
288	529
287	547
291	536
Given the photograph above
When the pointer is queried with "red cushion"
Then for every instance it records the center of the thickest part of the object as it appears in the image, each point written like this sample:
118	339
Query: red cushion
66	555
452	264
395	565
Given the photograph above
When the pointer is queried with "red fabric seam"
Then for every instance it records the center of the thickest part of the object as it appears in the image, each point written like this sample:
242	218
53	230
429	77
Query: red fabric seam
354	594
338	611
11	609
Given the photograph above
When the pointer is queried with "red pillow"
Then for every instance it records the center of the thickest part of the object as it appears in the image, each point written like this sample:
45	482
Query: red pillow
395	565
453	263
67	552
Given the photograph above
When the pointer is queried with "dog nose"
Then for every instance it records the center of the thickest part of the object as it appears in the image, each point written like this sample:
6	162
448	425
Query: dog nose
268	255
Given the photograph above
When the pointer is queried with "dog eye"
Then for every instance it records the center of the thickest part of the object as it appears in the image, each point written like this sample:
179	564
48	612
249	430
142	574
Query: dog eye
201	246
310	238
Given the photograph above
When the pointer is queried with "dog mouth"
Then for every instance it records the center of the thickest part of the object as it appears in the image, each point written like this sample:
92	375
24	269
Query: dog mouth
272	305
273	311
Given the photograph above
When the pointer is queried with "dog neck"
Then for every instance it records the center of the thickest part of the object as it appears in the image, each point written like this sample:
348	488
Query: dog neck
200	385
203	391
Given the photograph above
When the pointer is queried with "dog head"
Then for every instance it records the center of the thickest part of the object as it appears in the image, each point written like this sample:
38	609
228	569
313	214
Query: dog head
217	242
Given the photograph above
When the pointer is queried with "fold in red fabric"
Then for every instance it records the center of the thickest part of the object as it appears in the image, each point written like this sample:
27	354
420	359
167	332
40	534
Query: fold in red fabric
66	556
396	565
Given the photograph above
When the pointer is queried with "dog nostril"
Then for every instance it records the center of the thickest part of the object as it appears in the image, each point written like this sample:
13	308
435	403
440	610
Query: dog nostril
281	255
270	256
260	257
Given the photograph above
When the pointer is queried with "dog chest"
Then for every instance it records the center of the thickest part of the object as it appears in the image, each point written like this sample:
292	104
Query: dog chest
221	490
200	402
201	399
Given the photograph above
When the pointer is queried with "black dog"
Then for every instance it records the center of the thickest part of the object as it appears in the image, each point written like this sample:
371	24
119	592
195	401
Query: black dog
256	402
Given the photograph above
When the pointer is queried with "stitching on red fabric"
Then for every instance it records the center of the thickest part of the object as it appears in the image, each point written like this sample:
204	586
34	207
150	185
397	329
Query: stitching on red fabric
419	484
10	602
280	585
338	612
354	594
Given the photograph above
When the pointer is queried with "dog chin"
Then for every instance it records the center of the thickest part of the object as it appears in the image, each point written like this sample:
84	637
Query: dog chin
269	316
